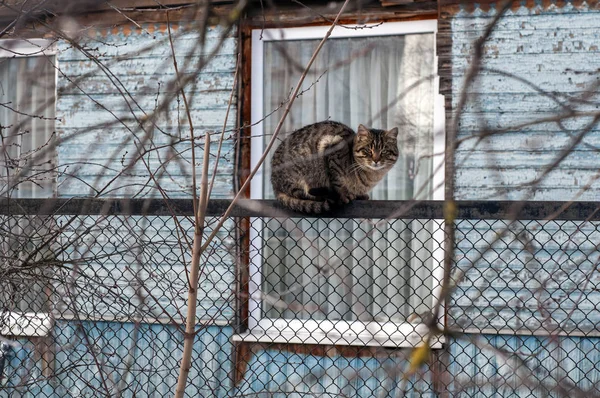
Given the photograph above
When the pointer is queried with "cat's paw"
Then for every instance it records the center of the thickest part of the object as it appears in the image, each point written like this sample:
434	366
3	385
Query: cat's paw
346	197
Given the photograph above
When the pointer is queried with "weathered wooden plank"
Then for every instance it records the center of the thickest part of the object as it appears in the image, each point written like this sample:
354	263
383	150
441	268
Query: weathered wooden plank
108	166
467	210
151	65
81	119
575	43
562	61
530	80
495	158
529	139
530	120
142	103
274	372
120	153
515	177
549	234
501	101
120	46
143	83
506	192
138	187
117	135
526	17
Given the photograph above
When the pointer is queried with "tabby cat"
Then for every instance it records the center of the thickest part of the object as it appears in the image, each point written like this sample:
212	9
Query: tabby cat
328	163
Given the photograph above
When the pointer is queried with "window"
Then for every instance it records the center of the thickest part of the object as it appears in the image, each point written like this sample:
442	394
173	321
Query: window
342	281
27	113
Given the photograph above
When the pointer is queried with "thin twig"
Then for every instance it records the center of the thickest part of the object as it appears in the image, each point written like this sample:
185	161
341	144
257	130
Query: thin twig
275	133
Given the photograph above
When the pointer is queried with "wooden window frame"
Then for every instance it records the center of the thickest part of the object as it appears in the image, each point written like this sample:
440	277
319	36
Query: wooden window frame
358	333
15	48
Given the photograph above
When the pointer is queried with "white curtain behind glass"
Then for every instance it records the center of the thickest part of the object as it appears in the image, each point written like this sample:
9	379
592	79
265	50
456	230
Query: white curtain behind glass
27	95
315	265
27	111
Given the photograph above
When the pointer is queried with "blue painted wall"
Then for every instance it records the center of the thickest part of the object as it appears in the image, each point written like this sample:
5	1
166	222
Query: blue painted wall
537	277
152	354
101	105
138	265
554	49
285	374
524	366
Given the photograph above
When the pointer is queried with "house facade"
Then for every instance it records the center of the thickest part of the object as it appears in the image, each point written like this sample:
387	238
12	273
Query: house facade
496	104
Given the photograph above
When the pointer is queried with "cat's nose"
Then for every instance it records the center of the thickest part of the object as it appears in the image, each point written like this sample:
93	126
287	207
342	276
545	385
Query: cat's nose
376	157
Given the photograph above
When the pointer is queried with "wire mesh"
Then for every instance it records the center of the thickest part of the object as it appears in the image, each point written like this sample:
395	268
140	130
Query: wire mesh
93	305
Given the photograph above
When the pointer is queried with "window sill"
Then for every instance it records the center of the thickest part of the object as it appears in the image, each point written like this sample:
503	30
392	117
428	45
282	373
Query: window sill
28	324
319	338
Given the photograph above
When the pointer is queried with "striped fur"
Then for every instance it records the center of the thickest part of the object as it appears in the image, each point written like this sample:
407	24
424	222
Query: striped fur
327	163
303	205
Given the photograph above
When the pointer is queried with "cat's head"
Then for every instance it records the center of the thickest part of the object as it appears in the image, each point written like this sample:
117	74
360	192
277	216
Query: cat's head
376	149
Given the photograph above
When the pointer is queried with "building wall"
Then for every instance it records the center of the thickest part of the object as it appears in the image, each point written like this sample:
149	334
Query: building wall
116	81
91	360
109	84
534	61
536	278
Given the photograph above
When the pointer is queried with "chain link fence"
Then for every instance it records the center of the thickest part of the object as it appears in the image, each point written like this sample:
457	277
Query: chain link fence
93	300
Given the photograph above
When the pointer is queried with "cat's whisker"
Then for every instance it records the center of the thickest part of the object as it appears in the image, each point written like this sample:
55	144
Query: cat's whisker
355	167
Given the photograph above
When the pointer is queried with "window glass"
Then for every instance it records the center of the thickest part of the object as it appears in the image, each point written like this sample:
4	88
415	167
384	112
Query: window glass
381	82
27	111
27	95
354	270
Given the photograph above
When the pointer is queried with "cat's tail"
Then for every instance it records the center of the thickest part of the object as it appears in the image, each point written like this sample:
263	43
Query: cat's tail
303	205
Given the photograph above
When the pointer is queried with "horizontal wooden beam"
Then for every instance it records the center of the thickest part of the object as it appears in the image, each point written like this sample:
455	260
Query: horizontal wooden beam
373	209
104	13
25	14
282	14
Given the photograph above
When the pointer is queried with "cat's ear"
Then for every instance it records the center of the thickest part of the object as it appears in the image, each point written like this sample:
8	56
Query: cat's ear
362	132
393	133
